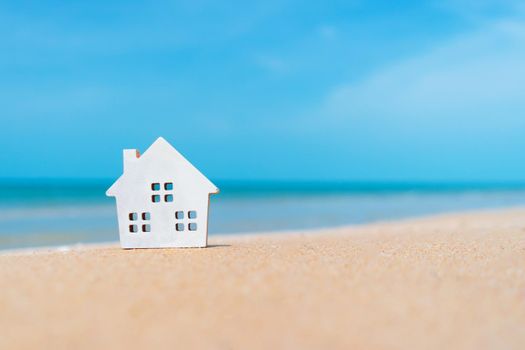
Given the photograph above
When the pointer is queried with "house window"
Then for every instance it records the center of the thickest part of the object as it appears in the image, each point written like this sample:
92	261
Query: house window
181	223
162	192
143	223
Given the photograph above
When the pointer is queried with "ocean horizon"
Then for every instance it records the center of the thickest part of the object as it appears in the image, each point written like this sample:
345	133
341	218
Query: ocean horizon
64	212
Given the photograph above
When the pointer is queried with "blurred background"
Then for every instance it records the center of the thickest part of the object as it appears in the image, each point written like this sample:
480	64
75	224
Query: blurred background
305	115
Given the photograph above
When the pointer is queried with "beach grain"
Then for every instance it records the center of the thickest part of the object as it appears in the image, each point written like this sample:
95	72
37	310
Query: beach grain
452	281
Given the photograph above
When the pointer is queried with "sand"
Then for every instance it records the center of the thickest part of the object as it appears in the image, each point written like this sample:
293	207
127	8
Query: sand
453	282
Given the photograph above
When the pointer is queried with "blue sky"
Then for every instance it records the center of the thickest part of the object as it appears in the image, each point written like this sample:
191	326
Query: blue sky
287	90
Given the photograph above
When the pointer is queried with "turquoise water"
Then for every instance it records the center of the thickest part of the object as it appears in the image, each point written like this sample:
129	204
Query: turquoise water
66	212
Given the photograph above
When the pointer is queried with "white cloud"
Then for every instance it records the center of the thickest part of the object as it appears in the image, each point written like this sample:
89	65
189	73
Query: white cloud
474	76
271	63
328	32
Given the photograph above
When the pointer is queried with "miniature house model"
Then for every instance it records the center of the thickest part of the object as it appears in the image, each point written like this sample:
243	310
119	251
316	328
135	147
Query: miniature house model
162	199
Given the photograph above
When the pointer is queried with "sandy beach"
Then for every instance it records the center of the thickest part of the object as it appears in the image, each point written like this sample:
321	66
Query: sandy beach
453	281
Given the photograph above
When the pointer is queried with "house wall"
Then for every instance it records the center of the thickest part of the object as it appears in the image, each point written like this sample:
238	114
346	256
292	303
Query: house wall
162	218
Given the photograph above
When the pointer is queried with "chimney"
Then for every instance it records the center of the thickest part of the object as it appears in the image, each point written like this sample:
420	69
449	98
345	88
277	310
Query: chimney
130	157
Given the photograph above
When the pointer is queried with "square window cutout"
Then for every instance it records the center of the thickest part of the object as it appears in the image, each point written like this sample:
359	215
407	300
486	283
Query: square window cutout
179	227
168	198
133	228
155	186
192	214
179	215
168	186
155	198
192	226
146	216
132	216
146	228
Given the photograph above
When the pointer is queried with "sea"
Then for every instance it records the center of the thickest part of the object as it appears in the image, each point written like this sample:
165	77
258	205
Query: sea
67	212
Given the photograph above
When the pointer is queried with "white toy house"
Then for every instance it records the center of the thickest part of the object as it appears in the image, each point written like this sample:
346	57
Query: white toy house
162	199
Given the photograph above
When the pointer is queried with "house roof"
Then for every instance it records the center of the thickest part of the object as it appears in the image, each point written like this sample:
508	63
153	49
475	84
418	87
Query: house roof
160	152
